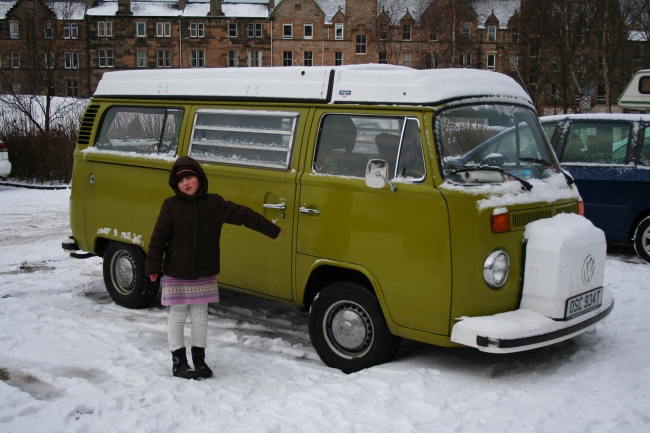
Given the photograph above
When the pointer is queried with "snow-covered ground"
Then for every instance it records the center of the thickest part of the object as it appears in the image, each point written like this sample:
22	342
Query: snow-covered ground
72	361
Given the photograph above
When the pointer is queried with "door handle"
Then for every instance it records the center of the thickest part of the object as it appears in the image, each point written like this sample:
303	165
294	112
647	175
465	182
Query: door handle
307	210
280	206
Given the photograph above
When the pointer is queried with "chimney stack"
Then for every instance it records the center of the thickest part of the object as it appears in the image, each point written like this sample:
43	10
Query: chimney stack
215	8
181	4
124	7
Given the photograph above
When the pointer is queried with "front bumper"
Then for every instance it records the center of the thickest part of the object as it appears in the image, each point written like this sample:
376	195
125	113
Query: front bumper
522	329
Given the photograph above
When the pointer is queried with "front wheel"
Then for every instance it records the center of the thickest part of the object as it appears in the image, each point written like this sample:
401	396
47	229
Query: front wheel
348	329
124	276
642	239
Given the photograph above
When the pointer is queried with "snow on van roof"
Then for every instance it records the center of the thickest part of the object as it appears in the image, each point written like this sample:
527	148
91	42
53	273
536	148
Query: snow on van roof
371	83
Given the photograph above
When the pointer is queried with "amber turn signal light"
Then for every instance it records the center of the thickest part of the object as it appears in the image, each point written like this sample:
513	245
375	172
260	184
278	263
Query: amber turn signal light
500	223
581	207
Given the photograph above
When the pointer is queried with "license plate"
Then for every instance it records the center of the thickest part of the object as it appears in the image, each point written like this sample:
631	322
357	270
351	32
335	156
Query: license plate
583	303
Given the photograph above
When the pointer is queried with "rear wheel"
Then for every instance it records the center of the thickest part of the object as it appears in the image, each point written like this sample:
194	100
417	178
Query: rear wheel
642	239
124	276
348	329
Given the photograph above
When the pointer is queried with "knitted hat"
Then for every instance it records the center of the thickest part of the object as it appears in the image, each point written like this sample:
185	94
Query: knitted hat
185	171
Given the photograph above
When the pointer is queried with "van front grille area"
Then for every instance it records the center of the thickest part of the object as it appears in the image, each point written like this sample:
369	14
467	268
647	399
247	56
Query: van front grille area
86	126
518	220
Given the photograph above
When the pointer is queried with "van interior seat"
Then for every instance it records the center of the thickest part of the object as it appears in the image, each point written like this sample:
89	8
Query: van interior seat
573	152
335	148
387	144
599	147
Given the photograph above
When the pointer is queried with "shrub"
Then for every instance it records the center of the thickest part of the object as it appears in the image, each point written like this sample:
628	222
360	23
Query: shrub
41	157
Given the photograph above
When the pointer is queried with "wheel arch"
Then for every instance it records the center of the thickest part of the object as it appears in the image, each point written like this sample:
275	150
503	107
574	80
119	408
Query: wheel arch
645	213
325	272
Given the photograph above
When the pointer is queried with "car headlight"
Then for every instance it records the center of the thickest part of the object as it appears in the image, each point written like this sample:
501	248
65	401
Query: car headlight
496	268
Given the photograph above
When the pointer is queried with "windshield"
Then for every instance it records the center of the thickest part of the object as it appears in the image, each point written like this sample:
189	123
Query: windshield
493	143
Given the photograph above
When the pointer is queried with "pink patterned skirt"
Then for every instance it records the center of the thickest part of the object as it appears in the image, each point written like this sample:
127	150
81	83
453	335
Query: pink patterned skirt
176	291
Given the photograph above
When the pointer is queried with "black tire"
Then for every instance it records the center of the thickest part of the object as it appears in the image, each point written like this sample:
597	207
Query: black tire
642	239
348	330
124	276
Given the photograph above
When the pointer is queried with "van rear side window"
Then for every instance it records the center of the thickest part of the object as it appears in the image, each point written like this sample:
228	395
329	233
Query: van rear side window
258	138
143	130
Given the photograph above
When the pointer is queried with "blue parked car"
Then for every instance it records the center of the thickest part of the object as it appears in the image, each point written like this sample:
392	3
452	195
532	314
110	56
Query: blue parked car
609	157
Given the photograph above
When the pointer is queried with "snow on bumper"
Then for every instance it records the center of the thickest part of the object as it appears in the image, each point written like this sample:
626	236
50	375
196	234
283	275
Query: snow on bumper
562	284
523	329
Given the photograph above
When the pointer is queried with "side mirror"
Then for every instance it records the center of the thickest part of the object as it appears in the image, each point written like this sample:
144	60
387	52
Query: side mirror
377	174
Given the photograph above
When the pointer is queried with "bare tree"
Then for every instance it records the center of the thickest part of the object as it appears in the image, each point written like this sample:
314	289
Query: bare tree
442	24
44	53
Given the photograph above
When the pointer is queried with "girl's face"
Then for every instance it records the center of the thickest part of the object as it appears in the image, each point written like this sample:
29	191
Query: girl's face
188	185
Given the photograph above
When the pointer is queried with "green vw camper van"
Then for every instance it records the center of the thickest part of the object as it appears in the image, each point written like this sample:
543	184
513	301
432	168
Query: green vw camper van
424	204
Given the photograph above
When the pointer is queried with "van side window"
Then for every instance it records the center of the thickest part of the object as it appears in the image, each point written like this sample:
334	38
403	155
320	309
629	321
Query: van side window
346	143
144	130
604	143
645	150
257	138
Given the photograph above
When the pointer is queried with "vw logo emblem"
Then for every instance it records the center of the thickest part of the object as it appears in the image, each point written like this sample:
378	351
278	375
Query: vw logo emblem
588	269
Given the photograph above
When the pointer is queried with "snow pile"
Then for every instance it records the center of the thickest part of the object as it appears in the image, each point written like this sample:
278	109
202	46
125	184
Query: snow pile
72	361
511	193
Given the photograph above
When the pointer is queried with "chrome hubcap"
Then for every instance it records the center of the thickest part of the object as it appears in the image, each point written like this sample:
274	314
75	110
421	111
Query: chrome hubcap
123	274
348	329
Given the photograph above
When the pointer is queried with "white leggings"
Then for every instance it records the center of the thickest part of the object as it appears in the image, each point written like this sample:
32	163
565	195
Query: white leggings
176	327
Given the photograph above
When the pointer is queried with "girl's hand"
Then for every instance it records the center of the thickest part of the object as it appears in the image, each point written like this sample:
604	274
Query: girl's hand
281	233
153	277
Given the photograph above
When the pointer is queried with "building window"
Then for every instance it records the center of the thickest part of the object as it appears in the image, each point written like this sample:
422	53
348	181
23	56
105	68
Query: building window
491	62
465	31
287	30
514	62
601	63
308	58
534	79
360	47
601	93
71	31
309	31
255	30
383	31
197	30
17	88
254	58
164	30
338	31
105	58
15	60
49	60
141	29
232	58
13	30
638	54
555	91
578	64
71	60
163	59
406	59
433	61
232	30
514	34
48	33
382	58
579	34
287	58
141	58
465	60
534	52
338	58
197	59
555	64
492	33
406	32
433	34
72	88
105	28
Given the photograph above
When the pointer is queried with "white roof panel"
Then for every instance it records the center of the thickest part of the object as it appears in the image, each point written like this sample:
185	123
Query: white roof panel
373	84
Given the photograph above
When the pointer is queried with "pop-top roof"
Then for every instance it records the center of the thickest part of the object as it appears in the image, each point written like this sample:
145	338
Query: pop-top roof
634	96
372	84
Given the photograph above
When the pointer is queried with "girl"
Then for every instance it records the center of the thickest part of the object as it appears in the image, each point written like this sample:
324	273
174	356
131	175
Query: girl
184	247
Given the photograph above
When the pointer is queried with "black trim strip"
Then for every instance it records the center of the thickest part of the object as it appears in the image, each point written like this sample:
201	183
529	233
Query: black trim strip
177	98
330	87
528	341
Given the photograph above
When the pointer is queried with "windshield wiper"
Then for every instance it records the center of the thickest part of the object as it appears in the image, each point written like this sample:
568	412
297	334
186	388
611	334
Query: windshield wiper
525	184
569	179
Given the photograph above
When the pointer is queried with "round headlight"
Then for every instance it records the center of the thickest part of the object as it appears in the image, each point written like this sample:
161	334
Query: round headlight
495	269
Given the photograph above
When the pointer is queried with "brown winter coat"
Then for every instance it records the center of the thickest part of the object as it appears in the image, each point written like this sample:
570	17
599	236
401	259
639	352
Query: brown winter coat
185	240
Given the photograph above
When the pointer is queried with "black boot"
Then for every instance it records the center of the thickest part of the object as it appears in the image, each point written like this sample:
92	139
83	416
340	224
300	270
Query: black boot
180	367
198	358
